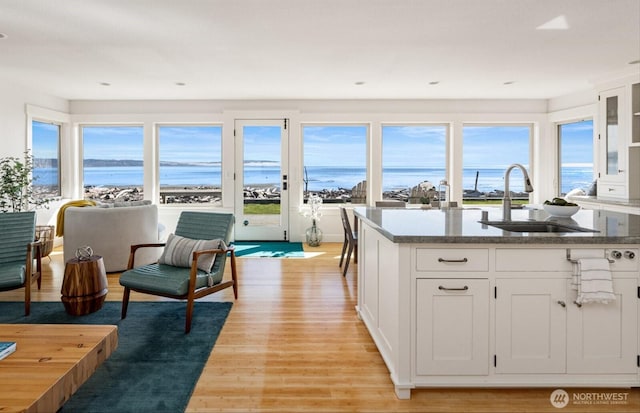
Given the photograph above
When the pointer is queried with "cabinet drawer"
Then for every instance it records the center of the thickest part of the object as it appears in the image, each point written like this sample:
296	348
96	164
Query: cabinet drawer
533	259
441	259
616	191
554	260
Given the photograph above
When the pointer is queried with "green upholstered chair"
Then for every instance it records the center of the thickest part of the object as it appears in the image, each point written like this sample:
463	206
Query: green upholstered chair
17	253
186	283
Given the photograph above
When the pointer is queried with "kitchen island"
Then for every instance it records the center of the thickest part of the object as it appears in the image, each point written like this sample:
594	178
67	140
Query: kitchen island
453	302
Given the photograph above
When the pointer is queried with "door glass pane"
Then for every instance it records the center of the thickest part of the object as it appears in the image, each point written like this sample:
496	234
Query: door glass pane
612	135
262	173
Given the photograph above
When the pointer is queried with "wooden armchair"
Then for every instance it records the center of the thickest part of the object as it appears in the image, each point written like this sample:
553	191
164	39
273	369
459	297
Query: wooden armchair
188	282
350	243
18	250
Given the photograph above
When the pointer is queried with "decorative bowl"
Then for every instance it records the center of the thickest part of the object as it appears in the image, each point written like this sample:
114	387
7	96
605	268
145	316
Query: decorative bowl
561	210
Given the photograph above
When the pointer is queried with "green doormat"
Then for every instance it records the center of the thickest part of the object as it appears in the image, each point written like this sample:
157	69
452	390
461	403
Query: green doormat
155	366
272	249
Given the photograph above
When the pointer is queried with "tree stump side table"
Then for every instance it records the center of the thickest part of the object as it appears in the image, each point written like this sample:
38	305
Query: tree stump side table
84	286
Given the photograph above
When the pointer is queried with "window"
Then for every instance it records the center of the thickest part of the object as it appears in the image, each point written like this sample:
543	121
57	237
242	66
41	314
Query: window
411	155
45	143
190	164
575	153
335	162
113	163
487	152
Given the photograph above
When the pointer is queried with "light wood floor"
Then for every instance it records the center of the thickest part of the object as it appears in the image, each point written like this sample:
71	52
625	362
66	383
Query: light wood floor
293	342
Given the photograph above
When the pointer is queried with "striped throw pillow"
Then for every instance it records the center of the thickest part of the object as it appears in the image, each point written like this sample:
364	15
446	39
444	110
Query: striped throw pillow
178	252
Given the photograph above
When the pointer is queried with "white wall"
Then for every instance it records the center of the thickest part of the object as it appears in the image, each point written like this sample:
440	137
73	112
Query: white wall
14	100
13	119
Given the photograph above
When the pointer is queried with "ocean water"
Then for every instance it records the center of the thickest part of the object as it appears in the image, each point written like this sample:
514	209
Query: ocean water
324	177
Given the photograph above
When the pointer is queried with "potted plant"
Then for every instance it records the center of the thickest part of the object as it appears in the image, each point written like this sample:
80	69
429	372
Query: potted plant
16	189
17	195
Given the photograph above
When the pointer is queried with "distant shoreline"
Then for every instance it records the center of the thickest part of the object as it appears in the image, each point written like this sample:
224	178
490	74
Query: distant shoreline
186	194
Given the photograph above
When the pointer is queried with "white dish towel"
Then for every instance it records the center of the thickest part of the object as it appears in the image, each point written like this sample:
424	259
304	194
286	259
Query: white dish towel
592	279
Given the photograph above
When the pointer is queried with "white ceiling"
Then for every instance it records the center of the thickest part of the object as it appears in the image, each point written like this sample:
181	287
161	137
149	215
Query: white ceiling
315	49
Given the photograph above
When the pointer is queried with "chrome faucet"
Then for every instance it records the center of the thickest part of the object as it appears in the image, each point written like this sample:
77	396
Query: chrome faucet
506	200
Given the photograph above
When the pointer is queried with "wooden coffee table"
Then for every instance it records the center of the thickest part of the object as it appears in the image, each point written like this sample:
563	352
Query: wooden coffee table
50	363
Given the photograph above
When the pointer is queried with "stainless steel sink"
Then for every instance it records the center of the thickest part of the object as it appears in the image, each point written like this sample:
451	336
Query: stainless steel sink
535	226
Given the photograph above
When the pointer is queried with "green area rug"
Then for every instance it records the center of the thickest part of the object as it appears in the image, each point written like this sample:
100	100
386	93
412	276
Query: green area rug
156	365
272	249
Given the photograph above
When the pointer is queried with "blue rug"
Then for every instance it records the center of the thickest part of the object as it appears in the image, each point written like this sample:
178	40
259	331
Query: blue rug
271	249
155	366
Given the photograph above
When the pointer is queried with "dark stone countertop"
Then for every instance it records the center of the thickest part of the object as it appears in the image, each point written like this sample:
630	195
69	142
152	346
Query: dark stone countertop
458	225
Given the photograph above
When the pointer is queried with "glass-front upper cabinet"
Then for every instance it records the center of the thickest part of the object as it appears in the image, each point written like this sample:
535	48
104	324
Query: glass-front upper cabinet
611	133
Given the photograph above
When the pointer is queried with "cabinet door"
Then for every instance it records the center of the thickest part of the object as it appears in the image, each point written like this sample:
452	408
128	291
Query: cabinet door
612	138
602	338
452	332
530	325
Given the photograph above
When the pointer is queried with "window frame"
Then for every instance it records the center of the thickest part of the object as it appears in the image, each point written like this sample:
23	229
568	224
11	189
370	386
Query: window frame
367	163
157	166
531	158
558	163
447	149
81	148
60	126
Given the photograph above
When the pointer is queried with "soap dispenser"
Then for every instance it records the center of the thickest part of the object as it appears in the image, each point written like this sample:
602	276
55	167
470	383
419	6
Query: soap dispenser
443	193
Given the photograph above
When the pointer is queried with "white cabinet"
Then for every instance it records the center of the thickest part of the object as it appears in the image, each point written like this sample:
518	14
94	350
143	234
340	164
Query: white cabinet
601	338
441	314
531	322
619	142
452	327
540	328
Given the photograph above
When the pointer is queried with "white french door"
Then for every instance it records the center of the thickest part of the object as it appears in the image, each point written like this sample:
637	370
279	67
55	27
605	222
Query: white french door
261	180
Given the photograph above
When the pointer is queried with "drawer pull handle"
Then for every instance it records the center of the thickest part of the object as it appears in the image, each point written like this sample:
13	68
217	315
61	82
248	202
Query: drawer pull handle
577	304
443	260
562	303
465	288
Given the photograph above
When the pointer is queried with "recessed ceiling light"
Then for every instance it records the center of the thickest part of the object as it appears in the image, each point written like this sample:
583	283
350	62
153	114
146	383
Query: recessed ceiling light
180	84
435	82
634	62
510	82
105	84
557	23
359	83
3	36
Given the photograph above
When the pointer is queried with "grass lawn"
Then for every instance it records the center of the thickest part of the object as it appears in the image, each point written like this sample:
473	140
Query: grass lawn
489	202
262	209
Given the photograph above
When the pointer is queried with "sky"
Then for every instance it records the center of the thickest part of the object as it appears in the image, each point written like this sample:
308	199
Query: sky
342	145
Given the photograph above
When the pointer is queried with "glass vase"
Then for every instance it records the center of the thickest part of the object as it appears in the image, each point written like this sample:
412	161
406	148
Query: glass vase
314	235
